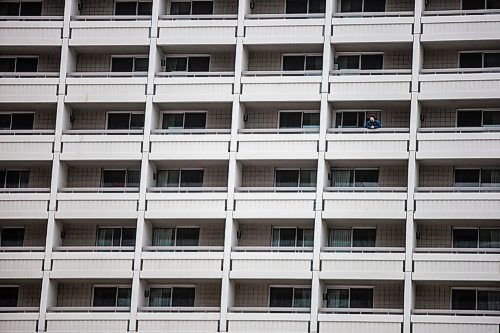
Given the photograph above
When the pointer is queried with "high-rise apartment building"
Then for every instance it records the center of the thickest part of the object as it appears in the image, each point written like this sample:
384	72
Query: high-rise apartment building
198	166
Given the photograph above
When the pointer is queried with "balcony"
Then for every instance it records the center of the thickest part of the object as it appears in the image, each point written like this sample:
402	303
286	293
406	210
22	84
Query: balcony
266	262
351	143
372	85
284	29
198	29
457	203
19	319
29	87
31	30
92	262
178	319
179	87
26	145
385	27
451	321
460	25
265	144
21	262
87	319
458	143
456	264
185	203
205	144
182	262
375	263
110	30
99	202
262	319
274	202
358	320
459	83
100	87
83	145
352	203
261	86
28	203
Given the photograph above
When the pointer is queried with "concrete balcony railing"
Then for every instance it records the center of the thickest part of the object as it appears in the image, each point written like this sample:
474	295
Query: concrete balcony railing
29	87
178	319
197	29
267	262
179	87
19	319
26	145
452	321
357	320
106	87
99	202
87	319
265	144
385	27
459	83
274	202
262	86
21	262
92	262
110	30
31	30
457	203
200	144
284	29
359	202
460	25
461	264
458	143
370	85
262	319
375	263
101	145
184	262
28	203
186	202
351	143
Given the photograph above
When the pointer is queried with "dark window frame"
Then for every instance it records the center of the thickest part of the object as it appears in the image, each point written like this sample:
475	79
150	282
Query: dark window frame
349	296
188	57
137	2
191	7
297	242
183	113
353	172
16	58
360	60
480	176
293	298
483	59
126	180
179	177
134	59
130	115
302	113
352	234
299	176
114	228
305	56
117	294
483	111
360	123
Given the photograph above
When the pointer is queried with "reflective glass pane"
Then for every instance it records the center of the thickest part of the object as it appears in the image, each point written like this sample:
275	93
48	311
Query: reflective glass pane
126	8
463	299
361	298
105	296
27	64
163	237
314	63
180	8
466	178
118	121
9	296
296	6
195	120
366	178
124	296
203	8
199	64
293	63
469	118
374	6
9	9
173	120
29	8
363	237
337	298
176	64
302	298
281	297
12	237
372	61
287	178
144	8
121	64
128	237
307	178
349	6
471	60
113	178
192	178
22	121
348	62
290	119
183	296
160	296
187	237
465	238
491	118
489	238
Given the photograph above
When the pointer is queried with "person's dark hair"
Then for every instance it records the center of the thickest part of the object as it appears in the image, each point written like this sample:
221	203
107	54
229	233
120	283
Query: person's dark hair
372	115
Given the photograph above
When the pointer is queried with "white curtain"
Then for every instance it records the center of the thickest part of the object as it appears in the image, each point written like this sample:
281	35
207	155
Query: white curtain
341	178
163	236
340	238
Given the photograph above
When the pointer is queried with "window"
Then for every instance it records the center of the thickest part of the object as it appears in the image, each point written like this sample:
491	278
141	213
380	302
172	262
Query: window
180	178
185	120
354	119
12	237
19	64
478	118
475	299
112	296
16	121
120	178
302	62
125	121
356	298
304	6
176	236
295	178
479	59
172	296
14	178
353	6
292	237
28	8
191	8
355	178
133	8
477	177
480	4
476	237
361	61
289	297
129	64
355	237
9	296
298	119
115	236
188	64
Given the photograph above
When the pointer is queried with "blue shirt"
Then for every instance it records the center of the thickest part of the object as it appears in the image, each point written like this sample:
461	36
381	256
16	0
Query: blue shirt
375	124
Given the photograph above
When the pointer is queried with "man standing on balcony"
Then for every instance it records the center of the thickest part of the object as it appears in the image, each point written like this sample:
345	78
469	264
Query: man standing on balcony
372	122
